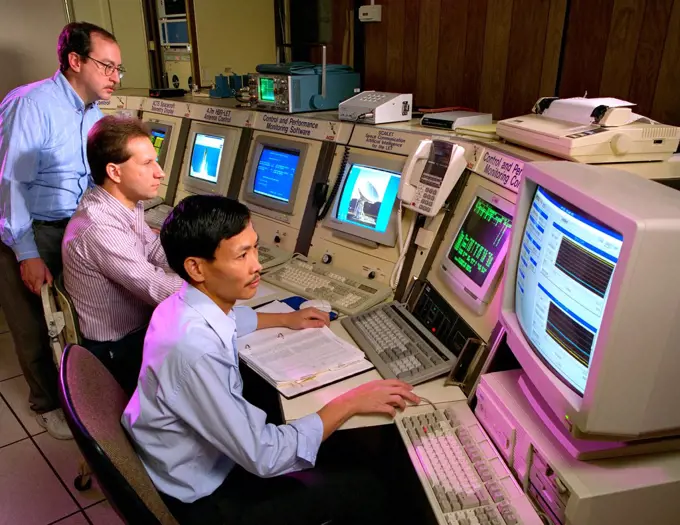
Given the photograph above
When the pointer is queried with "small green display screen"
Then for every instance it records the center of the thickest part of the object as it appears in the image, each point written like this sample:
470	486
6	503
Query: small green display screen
481	237
266	90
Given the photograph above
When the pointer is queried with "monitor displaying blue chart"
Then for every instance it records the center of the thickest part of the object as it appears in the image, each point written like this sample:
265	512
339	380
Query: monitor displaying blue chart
368	197
275	173
206	157
567	261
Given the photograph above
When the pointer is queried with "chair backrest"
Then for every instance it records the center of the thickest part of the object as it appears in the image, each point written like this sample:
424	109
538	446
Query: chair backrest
72	330
93	404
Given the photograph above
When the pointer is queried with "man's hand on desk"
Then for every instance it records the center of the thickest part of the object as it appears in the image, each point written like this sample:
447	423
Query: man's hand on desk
305	318
383	396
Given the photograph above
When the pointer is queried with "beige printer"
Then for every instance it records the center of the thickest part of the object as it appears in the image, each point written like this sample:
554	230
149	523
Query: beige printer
591	131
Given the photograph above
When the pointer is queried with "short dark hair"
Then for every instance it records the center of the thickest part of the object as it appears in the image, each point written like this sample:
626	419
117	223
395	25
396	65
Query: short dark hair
76	37
196	227
108	141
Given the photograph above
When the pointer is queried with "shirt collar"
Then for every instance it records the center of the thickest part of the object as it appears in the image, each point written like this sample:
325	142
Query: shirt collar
67	89
223	324
129	215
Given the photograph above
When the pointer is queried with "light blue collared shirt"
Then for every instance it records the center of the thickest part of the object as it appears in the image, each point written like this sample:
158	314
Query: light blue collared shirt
43	158
188	418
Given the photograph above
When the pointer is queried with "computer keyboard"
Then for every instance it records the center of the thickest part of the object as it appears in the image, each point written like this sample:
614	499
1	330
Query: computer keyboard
398	345
270	256
347	293
155	217
464	477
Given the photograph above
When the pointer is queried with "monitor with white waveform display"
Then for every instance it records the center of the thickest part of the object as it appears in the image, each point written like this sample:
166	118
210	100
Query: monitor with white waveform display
206	157
368	197
567	259
479	242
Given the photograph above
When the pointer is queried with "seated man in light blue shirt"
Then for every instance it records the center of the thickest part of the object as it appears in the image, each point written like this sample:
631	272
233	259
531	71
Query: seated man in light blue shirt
205	447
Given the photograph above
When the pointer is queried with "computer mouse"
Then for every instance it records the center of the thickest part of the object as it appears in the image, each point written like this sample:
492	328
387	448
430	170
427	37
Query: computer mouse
319	304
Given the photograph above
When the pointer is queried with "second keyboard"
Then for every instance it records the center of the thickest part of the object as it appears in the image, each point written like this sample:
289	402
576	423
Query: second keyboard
398	345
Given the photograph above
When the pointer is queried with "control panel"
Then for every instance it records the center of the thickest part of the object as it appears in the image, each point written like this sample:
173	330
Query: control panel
432	310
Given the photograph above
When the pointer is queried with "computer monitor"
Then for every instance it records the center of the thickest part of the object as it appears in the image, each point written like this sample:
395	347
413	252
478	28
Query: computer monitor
591	299
208	159
160	138
275	172
364	207
474	260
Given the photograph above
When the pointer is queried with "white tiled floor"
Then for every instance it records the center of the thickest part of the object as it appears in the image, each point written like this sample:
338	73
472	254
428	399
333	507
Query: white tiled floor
37	471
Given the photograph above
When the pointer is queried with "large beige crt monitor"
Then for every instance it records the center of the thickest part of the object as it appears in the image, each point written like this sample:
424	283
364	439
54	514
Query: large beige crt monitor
208	160
276	186
591	300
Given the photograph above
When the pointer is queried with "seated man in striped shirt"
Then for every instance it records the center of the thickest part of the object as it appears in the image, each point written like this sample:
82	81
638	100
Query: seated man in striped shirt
114	266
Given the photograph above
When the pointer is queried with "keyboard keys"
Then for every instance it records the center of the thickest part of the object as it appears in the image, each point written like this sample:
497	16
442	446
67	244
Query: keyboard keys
467	491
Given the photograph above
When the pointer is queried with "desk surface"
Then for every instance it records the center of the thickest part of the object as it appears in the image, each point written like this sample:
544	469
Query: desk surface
311	402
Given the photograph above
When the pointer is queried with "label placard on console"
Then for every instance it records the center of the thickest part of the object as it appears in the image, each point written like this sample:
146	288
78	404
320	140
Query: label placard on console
386	140
163	107
502	169
297	126
115	102
219	115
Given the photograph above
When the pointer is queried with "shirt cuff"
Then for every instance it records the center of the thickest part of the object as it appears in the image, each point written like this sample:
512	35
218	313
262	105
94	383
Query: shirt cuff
246	320
310	433
25	248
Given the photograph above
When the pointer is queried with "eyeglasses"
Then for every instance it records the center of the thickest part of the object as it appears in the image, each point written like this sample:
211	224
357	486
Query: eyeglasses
108	68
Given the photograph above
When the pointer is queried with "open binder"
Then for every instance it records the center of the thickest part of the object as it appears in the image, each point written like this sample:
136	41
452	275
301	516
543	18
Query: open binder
298	361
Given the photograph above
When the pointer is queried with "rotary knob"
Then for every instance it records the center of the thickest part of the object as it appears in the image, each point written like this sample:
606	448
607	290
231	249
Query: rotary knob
326	258
621	144
277	239
371	274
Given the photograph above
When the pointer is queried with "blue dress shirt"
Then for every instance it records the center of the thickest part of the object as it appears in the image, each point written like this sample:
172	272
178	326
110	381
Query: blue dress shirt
188	418
43	158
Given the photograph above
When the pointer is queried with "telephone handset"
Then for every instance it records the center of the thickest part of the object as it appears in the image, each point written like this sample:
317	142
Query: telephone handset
429	175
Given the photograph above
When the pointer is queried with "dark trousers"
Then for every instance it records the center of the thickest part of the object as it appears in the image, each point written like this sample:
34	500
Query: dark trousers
362	476
26	320
123	358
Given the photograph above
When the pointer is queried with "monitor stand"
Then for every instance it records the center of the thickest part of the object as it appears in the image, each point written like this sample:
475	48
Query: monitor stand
584	449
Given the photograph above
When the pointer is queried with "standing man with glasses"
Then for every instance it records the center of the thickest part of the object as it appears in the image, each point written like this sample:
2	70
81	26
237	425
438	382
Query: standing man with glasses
43	176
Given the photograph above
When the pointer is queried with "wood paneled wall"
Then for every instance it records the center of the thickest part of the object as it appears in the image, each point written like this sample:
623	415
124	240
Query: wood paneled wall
500	56
493	55
635	54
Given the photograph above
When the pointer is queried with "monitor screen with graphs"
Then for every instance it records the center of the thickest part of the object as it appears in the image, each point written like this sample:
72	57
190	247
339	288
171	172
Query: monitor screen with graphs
567	259
475	255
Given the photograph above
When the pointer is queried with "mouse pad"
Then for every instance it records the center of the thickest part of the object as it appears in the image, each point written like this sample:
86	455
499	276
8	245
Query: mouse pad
295	301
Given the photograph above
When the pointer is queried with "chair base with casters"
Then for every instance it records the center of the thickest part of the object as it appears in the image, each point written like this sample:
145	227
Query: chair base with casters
62	329
85	386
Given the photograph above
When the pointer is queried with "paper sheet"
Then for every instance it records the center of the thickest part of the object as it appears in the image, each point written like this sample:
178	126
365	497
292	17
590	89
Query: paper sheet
304	354
293	355
579	109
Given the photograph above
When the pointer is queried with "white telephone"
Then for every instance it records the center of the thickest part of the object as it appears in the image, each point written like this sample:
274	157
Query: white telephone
440	164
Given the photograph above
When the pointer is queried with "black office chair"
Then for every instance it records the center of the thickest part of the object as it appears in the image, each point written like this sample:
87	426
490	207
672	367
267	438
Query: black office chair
93	403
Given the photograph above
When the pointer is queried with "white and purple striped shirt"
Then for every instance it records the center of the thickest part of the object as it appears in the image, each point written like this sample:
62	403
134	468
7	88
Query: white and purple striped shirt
115	268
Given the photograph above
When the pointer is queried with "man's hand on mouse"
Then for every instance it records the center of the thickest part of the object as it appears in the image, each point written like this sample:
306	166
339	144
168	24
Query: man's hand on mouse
307	318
